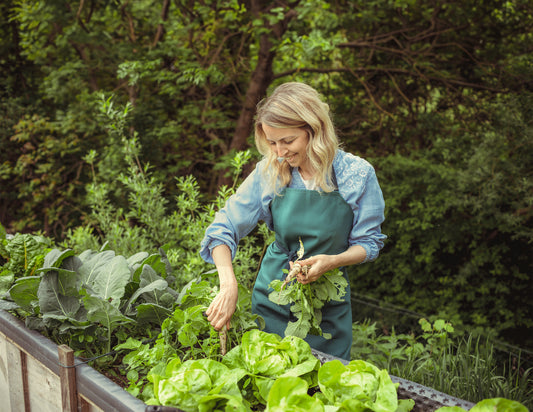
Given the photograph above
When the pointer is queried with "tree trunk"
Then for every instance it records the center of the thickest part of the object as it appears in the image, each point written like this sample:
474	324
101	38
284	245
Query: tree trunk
259	82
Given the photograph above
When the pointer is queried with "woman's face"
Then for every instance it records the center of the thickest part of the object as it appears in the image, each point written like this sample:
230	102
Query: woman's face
289	144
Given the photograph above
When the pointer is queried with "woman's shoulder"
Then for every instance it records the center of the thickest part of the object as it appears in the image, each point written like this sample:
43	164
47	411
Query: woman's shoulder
257	184
351	169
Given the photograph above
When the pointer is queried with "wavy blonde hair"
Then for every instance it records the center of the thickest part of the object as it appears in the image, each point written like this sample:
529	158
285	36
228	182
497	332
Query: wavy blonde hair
298	105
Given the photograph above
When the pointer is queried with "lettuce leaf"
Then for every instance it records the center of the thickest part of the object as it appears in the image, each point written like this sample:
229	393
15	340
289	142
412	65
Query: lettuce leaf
198	385
266	357
358	386
289	394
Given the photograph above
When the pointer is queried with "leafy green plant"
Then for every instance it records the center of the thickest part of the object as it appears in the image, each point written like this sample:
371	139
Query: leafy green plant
385	351
266	356
359	385
202	384
290	393
70	295
306	301
147	219
21	255
466	367
275	374
185	334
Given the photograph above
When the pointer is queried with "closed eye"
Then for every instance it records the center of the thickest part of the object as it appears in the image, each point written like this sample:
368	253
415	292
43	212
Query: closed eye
283	141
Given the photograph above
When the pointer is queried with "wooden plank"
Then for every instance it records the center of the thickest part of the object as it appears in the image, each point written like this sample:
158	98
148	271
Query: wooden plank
67	377
43	385
84	405
17	377
4	382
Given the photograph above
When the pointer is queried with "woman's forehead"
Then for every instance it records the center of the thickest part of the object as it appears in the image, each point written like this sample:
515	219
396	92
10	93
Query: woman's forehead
280	133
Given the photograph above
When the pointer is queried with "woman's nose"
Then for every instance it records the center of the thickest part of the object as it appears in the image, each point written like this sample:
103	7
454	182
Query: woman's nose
281	149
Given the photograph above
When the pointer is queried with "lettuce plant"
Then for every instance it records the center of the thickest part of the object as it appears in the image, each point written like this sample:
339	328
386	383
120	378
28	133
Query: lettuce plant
359	386
266	357
198	385
289	394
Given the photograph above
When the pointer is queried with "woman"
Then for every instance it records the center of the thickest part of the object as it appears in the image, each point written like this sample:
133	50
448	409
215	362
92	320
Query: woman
305	187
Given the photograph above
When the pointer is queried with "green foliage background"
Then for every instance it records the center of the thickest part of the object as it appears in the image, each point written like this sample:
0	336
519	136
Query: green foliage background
106	104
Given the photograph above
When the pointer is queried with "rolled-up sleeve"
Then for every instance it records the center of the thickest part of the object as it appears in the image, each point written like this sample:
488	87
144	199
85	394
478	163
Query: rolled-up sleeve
358	184
240	215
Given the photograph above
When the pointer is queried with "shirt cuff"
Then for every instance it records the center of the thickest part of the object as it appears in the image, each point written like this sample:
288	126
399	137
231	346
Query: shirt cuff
206	251
372	251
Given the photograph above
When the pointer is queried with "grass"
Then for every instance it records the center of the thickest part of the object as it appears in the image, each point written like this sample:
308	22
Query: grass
468	368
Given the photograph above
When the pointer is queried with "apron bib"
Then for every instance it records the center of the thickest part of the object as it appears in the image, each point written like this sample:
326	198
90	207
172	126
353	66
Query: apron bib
323	221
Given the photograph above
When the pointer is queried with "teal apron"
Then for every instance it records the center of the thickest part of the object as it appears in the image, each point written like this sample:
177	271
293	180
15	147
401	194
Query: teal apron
323	221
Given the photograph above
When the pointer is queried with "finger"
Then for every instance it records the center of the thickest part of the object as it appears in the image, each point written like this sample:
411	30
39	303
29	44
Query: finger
221	323
217	322
309	261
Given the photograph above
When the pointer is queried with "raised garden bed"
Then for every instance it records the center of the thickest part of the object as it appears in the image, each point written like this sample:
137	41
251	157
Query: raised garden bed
32	377
37	375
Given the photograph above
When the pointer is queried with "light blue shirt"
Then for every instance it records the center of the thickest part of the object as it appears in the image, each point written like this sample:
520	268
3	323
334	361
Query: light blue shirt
357	184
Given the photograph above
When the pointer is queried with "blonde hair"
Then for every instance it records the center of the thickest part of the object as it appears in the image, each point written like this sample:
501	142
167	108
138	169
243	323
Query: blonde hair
298	105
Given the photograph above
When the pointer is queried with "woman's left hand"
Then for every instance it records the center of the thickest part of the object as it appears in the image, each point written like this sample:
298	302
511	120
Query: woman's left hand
317	266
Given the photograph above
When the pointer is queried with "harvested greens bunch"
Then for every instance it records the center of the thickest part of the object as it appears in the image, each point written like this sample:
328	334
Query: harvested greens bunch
306	301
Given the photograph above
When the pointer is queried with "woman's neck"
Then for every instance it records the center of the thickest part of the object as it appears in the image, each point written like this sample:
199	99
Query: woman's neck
305	173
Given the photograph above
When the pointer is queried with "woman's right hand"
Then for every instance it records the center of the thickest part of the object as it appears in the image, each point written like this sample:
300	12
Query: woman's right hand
223	306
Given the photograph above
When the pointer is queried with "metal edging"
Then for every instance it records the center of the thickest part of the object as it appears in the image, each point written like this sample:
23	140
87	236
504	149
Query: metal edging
91	384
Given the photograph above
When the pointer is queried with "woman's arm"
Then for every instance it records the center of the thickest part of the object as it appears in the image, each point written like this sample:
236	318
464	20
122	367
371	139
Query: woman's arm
240	215
223	306
320	264
359	186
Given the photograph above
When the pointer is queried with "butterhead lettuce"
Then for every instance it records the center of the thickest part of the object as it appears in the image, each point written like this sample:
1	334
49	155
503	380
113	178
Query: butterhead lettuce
359	386
198	385
289	394
266	357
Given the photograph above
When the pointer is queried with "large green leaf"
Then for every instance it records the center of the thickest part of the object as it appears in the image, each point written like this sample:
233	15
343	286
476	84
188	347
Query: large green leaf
55	258
58	295
160	296
290	394
92	263
136	260
24	292
106	276
103	312
6	280
158	284
152	313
